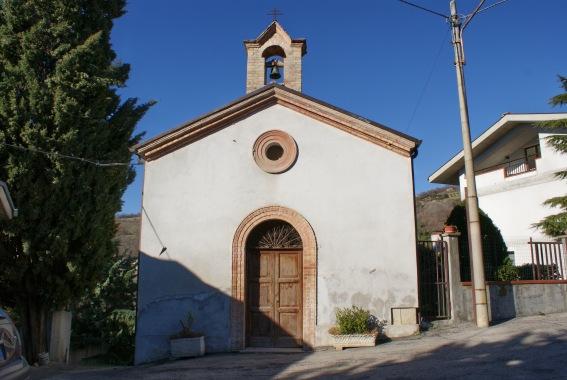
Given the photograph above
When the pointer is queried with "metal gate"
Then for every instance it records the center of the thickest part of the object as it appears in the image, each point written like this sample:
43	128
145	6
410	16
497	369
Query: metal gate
433	279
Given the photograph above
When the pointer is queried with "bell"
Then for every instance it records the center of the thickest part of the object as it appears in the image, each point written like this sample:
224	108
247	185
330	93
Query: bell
275	73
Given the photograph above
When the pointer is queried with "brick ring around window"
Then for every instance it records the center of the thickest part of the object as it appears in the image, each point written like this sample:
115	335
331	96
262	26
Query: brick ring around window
275	151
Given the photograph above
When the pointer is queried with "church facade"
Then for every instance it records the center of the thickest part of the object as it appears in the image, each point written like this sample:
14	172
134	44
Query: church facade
266	215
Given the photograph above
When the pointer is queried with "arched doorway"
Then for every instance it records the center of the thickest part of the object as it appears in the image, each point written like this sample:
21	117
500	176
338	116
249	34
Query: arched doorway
238	329
274	284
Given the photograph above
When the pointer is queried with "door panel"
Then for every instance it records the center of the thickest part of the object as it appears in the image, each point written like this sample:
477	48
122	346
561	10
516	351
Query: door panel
274	313
289	295
289	265
288	300
261	299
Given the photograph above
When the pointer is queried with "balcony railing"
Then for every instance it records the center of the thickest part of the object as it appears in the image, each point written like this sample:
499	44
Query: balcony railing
513	167
527	165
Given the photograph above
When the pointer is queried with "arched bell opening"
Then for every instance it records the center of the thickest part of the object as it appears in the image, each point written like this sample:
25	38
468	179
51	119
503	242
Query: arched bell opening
274	57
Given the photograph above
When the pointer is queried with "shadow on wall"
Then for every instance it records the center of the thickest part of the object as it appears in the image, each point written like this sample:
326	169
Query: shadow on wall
167	291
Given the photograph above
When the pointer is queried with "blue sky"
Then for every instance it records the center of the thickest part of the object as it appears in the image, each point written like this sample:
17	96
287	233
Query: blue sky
384	60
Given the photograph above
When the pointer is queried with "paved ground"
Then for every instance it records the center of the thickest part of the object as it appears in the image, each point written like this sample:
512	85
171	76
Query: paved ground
523	348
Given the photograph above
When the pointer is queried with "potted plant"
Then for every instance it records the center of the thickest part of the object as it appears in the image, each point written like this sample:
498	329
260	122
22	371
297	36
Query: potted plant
449	229
187	343
356	328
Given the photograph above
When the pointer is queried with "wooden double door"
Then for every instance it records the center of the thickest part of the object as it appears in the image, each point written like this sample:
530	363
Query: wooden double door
274	298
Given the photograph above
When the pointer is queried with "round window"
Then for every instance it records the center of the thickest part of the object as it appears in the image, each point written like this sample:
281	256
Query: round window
275	151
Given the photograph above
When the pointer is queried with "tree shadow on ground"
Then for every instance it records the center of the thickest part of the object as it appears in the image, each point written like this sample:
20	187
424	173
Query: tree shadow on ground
529	348
473	353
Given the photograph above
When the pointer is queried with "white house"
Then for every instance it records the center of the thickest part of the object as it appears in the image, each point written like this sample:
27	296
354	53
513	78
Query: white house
266	215
514	173
7	209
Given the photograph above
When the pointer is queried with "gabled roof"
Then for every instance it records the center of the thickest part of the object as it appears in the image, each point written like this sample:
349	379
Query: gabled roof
276	28
7	209
449	172
267	96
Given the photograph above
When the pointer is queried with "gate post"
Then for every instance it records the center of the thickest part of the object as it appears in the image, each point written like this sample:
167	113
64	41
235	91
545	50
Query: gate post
458	312
563	256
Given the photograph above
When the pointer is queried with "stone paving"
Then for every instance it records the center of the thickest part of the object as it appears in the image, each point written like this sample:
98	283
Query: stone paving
532	347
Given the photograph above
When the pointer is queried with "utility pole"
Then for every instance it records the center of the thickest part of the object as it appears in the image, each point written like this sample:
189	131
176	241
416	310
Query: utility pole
475	238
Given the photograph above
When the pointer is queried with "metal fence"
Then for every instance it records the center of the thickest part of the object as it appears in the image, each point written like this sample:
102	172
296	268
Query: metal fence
548	260
536	258
520	249
492	252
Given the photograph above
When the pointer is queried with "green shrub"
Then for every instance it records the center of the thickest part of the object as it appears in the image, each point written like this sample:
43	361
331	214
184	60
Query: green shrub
354	320
508	272
546	272
107	315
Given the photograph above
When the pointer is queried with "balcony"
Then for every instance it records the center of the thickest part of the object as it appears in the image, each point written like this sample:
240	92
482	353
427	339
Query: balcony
513	167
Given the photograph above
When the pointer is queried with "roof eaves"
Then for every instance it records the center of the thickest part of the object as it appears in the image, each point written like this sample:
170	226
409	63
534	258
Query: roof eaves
252	94
448	173
417	142
263	97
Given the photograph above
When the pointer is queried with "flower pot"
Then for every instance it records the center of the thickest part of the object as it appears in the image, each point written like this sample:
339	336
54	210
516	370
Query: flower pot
187	347
354	340
448	229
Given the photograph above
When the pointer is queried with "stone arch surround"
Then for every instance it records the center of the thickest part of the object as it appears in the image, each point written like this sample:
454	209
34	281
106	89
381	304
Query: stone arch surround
238	311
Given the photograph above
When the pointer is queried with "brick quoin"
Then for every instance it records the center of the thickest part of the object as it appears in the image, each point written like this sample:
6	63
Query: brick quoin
238	311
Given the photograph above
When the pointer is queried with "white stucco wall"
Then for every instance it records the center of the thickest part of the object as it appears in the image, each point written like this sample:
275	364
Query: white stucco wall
515	210
357	196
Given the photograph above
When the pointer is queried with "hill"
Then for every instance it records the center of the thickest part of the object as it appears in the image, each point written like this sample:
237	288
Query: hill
128	234
433	207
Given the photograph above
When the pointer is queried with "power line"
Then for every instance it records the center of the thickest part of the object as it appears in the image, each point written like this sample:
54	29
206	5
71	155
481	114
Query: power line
470	17
491	6
434	62
467	19
446	17
427	80
88	161
425	9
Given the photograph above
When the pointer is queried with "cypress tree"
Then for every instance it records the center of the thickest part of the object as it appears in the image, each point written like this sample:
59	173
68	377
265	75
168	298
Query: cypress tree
58	106
556	224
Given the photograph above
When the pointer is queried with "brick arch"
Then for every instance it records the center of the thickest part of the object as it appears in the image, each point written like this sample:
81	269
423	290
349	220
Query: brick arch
238	310
272	50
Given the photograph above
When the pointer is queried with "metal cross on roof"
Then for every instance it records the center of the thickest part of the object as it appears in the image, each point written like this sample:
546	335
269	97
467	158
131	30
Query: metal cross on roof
275	12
